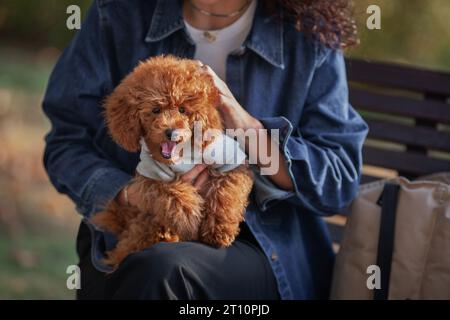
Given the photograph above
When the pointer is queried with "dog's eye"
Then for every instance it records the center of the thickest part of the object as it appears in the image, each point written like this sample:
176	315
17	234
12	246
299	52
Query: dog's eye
182	109
156	110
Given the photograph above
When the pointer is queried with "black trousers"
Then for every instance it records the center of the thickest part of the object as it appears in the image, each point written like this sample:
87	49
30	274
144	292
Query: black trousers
185	270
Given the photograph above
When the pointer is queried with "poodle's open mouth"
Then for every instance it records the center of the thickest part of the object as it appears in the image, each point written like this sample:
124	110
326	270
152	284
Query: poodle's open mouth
167	148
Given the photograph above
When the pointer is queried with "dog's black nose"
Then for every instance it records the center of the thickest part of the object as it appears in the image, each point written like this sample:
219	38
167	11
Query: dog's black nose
168	133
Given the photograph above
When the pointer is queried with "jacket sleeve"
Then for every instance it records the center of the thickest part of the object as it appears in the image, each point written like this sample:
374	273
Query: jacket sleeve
72	104
323	151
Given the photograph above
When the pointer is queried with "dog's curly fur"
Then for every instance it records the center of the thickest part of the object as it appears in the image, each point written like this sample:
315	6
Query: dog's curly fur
170	211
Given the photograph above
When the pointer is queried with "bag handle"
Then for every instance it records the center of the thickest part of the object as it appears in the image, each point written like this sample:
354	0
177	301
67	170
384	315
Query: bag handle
388	201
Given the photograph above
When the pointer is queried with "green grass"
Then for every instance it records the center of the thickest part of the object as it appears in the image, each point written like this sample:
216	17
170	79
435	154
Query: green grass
22	70
41	272
37	247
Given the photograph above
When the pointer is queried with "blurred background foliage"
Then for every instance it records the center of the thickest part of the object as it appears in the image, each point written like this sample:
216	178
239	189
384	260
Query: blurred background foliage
37	225
413	31
37	23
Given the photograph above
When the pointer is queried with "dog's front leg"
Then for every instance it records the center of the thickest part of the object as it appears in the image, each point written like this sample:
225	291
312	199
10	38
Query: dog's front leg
225	201
141	233
176	206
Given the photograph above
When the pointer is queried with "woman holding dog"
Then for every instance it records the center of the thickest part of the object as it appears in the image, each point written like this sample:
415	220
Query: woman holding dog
278	65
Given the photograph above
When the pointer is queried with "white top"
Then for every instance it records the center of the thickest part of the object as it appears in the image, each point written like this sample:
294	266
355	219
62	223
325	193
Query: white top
213	47
223	154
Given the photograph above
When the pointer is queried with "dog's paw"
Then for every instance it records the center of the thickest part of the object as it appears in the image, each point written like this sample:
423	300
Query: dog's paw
167	236
220	236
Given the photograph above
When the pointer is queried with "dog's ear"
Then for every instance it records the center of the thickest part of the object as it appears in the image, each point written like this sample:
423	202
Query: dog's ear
210	119
210	98
213	120
122	118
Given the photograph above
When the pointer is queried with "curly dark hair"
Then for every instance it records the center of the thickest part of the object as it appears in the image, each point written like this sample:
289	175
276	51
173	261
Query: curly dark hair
328	21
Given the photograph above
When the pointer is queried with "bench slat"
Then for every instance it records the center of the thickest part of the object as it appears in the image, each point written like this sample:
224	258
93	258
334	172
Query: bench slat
409	135
394	105
412	163
394	75
433	109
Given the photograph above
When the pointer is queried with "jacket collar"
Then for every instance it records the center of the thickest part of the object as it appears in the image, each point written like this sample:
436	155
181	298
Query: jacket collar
265	38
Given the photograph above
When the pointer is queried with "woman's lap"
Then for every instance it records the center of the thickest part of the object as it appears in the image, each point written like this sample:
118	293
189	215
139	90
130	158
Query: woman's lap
185	270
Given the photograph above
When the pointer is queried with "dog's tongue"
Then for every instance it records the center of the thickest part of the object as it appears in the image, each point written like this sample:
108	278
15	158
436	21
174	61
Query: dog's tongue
167	148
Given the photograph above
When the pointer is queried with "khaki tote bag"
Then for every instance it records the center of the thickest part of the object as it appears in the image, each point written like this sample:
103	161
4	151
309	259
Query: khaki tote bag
402	228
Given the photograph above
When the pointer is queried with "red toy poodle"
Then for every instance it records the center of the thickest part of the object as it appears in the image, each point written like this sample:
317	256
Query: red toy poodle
154	110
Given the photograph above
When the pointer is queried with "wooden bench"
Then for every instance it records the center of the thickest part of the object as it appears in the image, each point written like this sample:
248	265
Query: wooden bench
408	113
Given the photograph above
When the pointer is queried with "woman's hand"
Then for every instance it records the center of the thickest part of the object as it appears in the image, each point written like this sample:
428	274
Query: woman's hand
236	117
233	115
198	176
129	196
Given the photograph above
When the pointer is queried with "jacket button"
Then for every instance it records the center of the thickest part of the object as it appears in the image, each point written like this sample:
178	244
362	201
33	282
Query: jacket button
274	256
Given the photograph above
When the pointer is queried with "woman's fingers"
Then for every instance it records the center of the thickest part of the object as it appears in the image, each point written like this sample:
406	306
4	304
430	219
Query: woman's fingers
201	180
219	83
198	176
192	174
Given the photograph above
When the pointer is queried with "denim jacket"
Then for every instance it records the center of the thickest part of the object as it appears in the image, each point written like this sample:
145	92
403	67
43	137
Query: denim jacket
280	76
